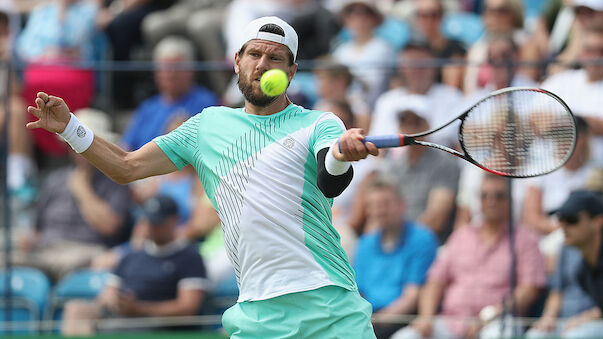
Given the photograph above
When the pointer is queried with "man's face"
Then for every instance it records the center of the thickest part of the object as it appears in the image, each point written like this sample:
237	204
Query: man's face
171	79
429	17
385	207
501	58
579	229
259	56
592	50
494	197
416	75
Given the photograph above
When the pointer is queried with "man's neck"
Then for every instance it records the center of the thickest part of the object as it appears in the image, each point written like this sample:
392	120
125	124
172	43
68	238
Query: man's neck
173	97
591	251
281	102
490	232
390	236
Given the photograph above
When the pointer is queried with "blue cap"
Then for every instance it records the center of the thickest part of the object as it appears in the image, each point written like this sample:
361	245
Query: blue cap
159	208
581	201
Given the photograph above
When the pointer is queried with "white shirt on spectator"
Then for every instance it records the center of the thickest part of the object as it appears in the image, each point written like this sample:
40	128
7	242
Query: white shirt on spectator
584	98
371	63
444	102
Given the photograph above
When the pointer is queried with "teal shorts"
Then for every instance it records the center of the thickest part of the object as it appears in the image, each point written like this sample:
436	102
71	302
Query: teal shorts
327	313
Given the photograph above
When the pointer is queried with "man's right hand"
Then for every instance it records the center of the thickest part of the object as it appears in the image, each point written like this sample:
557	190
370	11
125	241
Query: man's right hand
545	324
423	325
52	113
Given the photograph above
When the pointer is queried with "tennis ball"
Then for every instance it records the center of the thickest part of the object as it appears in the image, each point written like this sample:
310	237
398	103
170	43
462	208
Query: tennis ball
274	82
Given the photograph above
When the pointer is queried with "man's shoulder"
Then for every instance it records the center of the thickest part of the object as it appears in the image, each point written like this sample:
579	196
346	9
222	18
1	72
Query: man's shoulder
419	234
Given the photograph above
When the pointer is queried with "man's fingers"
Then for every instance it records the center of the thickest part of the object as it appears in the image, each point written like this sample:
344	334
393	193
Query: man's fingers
40	103
54	101
373	150
42	96
35	111
34	124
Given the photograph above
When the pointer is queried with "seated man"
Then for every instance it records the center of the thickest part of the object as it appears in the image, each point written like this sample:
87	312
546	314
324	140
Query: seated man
473	274
166	278
567	308
581	218
79	213
178	95
391	264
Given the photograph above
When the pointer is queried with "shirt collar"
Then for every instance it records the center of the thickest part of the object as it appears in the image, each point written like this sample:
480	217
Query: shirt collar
168	249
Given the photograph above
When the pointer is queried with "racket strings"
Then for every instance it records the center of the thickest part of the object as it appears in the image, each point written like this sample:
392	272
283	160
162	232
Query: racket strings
519	133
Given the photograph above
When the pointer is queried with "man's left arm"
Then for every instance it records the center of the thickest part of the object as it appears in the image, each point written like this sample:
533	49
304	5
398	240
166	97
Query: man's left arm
187	302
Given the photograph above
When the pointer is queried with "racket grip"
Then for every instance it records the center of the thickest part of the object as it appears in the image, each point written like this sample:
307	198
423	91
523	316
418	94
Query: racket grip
386	141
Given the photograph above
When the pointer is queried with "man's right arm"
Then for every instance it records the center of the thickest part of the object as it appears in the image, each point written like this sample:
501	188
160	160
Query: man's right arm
123	167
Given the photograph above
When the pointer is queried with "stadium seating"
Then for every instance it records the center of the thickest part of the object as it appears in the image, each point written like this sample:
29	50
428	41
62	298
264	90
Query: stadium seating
29	291
81	284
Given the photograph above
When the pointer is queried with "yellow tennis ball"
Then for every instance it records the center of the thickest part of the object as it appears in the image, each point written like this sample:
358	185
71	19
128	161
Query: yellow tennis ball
274	82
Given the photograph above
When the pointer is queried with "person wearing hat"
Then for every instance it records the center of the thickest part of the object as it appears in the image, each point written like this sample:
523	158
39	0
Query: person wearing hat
369	57
581	218
270	169
166	277
79	213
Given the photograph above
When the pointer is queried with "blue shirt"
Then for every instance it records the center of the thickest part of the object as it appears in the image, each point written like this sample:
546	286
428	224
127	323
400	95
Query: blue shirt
565	280
381	276
44	30
157	276
151	119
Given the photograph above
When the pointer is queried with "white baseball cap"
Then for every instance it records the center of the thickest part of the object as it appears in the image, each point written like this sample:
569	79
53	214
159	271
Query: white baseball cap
254	30
596	5
416	104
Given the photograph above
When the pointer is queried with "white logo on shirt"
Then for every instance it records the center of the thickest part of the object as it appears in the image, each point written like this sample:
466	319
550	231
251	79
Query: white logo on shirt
289	143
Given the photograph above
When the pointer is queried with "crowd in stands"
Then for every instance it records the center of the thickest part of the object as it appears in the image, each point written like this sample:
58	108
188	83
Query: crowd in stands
428	234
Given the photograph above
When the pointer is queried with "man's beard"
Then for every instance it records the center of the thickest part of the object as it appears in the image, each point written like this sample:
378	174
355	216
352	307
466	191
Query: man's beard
246	88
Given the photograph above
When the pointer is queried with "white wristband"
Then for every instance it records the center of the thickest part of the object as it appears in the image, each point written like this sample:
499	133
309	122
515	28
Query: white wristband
334	166
78	136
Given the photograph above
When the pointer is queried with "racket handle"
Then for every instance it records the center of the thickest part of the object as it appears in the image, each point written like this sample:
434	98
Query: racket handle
386	141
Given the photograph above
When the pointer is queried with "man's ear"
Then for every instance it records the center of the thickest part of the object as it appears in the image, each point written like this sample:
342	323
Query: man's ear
236	64
292	70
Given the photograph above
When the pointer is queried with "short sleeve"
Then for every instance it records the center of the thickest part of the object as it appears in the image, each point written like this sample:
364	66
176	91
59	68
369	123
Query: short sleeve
425	251
180	144
192	273
328	129
556	280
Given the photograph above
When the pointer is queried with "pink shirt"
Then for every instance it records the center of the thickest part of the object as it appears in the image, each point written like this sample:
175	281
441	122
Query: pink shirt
476	275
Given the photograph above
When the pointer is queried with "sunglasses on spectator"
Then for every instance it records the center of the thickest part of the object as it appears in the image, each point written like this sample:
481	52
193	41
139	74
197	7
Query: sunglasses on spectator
358	10
429	14
498	10
499	195
569	220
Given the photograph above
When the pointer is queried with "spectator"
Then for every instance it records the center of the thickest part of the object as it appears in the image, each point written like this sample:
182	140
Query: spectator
178	95
20	164
200	21
368	56
391	264
567	306
546	193
561	30
427	22
121	20
500	17
57	34
418	78
335	82
79	213
581	88
474	271
428	178
502	72
581	218
166	278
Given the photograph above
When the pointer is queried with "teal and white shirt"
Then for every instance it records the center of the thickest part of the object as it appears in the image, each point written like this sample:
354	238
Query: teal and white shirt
260	173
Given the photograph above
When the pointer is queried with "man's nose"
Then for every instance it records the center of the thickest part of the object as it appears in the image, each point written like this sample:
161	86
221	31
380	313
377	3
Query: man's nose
263	64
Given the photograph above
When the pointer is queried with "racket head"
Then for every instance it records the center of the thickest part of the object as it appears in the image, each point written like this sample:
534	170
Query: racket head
518	132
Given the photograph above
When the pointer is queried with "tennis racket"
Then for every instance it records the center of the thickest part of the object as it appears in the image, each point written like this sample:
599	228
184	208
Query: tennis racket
516	132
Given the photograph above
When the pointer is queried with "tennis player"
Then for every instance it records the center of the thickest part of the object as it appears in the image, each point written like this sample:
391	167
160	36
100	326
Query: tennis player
271	170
